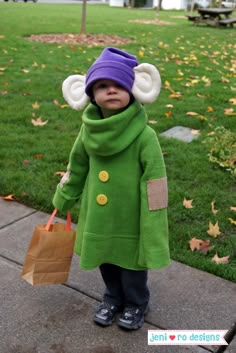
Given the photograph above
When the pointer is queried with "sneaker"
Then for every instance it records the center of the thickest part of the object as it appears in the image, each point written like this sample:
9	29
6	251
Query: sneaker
105	314
132	318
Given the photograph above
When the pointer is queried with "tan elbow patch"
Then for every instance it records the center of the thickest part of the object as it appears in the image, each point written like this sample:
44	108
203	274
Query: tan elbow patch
157	193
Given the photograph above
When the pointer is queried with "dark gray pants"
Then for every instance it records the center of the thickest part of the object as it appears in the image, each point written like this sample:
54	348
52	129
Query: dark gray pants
125	287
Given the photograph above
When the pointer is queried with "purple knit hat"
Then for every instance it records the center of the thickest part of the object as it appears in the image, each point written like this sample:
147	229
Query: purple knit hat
112	64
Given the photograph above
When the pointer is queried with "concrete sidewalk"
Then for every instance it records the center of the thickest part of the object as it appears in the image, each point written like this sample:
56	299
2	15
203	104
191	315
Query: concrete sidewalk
59	318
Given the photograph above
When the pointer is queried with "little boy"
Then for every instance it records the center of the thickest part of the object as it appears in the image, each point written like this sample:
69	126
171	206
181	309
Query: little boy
116	168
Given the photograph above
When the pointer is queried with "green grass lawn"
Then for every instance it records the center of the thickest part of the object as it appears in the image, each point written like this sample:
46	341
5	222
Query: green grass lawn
198	70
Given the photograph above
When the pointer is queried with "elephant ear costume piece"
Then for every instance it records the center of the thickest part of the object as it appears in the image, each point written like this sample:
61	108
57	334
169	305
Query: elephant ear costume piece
141	80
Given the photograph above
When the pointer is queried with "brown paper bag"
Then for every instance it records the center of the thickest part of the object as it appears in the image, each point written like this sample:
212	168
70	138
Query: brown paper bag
48	258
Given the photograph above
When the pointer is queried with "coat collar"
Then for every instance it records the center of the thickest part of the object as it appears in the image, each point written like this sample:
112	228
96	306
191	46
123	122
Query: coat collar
106	137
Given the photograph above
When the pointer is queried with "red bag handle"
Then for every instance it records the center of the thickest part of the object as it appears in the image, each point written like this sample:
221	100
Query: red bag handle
68	221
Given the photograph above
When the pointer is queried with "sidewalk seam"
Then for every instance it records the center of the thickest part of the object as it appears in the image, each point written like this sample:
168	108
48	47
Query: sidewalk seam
18	220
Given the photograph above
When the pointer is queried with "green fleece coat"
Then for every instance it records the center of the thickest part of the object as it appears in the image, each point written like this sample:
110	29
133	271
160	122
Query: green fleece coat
116	167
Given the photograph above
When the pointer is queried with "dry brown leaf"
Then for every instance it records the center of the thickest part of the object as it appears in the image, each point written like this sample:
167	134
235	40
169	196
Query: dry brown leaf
195	243
201	245
38	156
224	80
210	109
35	105
213	210
192	113
187	203
205	248
25	162
233	208
211	133
229	111
195	132
220	260
152	121
39	122
232	101
60	105
9	197
213	230
201	95
175	95
60	173
168	114
232	221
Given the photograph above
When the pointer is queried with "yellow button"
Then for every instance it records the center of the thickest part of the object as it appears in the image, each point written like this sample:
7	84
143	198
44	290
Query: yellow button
103	176
102	199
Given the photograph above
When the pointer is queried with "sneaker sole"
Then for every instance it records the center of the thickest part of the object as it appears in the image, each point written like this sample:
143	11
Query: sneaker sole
134	327
130	327
102	322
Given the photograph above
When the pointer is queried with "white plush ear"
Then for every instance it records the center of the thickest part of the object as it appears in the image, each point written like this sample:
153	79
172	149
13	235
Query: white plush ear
73	89
147	83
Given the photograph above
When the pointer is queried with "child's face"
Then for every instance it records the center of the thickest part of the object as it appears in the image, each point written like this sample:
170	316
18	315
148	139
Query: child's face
109	95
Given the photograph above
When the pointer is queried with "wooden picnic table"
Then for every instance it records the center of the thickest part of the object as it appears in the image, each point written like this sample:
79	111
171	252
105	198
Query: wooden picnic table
214	17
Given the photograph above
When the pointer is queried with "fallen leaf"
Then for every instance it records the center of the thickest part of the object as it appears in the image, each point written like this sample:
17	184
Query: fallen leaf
229	111
211	133
195	244
205	247
213	230
210	109
60	173
60	105
224	80
38	156
195	132
213	210
187	203
175	95
168	114
25	162
39	122
206	80
192	113
35	105
9	197
141	53
232	101
152	121
233	208
232	221
220	260
201	95
202	117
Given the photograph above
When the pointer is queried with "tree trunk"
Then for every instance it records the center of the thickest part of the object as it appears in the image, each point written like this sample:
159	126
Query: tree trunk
159	6
83	21
132	3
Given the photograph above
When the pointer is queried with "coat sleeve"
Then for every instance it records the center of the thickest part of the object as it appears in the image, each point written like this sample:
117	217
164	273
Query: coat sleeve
154	243
72	183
